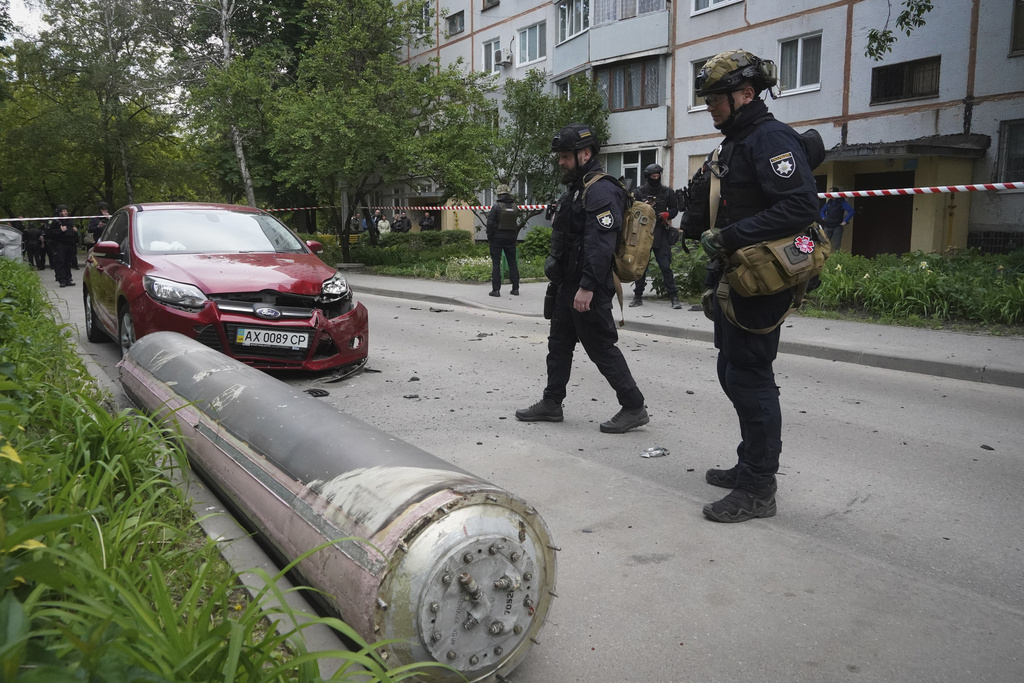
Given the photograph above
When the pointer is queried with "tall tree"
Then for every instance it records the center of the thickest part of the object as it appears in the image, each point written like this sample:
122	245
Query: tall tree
357	119
102	68
530	117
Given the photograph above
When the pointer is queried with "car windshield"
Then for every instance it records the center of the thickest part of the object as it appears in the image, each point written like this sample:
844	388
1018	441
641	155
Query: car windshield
212	231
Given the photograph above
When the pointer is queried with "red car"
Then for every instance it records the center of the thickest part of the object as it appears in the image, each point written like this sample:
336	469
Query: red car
231	277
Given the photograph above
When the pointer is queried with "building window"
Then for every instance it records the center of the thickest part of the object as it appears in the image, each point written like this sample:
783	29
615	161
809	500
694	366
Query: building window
563	89
456	23
629	165
607	11
492	56
488	4
695	67
1017	32
634	85
905	81
1011	152
424	23
800	63
533	43
704	5
573	18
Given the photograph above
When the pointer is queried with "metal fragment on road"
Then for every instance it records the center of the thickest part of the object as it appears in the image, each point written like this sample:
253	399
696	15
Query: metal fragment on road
654	452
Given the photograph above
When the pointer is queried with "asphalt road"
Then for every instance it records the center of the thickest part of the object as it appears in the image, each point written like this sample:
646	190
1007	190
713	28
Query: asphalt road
897	553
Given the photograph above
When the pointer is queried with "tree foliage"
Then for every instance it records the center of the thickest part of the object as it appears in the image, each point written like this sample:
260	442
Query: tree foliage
530	118
357	120
880	41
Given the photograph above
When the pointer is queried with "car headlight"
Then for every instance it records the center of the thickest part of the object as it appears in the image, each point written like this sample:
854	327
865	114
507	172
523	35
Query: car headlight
334	288
174	293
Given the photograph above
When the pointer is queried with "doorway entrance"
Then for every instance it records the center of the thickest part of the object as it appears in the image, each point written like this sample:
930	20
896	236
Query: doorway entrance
882	225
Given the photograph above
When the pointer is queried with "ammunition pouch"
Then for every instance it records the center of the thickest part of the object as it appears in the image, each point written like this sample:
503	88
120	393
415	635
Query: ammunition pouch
549	300
773	266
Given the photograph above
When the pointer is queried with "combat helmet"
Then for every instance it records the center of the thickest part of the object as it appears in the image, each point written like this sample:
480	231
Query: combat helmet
575	137
651	170
725	73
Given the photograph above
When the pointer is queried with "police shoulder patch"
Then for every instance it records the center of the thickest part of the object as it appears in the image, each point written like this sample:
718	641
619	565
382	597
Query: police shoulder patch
605	219
783	165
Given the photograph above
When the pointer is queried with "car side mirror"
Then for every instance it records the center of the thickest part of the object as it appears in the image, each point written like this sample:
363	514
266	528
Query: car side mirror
107	248
314	246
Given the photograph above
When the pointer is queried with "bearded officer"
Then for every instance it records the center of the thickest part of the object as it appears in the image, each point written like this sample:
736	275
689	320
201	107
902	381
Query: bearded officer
583	241
767	192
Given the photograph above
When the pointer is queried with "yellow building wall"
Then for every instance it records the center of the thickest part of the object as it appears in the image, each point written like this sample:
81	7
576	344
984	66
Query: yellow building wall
940	220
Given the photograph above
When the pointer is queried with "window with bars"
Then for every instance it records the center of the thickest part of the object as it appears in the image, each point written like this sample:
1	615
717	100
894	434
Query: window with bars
573	18
1011	152
800	63
633	85
905	81
456	23
533	43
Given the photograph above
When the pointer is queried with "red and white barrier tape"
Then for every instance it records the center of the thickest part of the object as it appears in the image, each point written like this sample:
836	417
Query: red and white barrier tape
941	189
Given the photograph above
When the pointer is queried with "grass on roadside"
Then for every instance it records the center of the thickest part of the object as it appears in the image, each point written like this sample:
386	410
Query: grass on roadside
105	575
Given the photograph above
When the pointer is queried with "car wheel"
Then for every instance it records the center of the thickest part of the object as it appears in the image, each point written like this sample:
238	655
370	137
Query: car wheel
126	329
92	333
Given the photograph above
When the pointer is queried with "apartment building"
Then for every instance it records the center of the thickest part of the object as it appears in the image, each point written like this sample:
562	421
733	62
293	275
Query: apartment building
945	107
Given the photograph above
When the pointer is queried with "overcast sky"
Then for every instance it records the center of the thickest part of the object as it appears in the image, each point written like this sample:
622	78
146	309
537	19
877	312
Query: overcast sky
27	18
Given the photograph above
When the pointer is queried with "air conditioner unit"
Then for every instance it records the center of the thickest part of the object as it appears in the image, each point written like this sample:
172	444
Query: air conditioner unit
503	57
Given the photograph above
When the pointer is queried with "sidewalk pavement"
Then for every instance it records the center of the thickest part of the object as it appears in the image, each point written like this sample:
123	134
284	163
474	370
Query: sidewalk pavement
957	355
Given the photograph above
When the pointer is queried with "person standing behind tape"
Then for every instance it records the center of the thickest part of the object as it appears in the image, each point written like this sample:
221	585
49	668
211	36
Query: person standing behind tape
767	192
62	238
583	240
502	232
835	214
663	199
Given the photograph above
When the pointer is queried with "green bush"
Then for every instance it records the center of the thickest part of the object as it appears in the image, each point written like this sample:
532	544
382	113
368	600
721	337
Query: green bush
965	286
537	244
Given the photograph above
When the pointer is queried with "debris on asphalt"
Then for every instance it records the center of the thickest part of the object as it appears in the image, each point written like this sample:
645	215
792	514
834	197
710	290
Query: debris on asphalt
318	393
654	452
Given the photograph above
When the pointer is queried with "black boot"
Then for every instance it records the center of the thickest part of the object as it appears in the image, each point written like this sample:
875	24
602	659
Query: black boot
638	300
494	293
541	411
625	420
727	478
675	303
740	506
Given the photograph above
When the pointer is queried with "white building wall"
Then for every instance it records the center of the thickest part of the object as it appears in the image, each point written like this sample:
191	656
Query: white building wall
839	107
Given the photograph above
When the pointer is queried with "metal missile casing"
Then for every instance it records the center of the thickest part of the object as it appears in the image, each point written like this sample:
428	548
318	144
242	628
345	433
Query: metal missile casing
454	569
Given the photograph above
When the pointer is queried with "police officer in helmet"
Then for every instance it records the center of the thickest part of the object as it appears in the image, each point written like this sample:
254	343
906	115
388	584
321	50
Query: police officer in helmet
583	241
663	199
767	192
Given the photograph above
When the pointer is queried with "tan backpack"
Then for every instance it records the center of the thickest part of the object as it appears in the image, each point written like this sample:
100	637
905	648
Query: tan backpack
636	238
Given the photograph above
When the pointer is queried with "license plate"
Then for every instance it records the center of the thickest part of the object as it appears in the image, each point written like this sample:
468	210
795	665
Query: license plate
282	339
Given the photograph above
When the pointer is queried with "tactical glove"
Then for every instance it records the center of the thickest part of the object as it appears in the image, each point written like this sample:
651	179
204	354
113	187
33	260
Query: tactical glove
707	300
711	241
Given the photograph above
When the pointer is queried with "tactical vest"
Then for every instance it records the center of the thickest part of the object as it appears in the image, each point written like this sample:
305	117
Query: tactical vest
508	221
